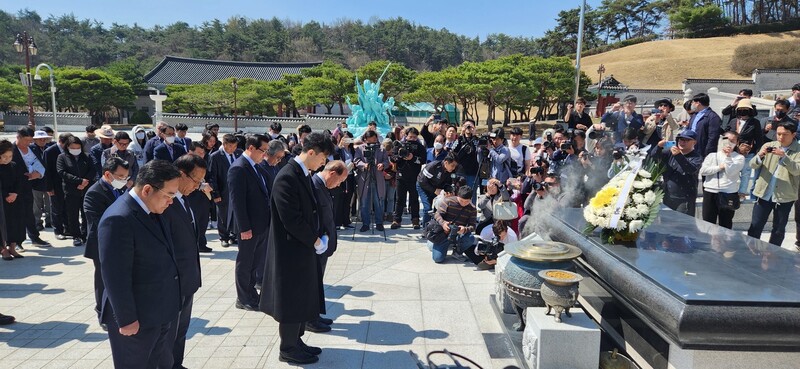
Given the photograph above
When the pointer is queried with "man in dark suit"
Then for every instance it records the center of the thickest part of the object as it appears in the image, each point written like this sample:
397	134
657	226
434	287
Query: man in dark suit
706	123
98	198
293	293
249	201
54	187
24	157
272	160
181	139
183	231
106	136
137	261
331	177
219	164
151	144
168	150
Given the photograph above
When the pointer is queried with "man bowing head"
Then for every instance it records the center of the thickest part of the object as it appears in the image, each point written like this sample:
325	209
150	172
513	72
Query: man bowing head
143	294
292	284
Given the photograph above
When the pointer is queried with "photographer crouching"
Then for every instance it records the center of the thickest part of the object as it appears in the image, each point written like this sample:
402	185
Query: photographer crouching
432	180
455	218
491	244
408	154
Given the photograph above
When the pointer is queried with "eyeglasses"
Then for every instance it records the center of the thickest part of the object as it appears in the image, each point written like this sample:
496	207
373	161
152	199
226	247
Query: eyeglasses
120	178
170	196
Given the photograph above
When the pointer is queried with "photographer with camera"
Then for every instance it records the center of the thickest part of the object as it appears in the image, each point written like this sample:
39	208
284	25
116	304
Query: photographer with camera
371	160
547	192
682	164
630	140
456	218
623	115
466	152
520	154
408	155
495	192
432	180
434	126
491	244
498	155
577	118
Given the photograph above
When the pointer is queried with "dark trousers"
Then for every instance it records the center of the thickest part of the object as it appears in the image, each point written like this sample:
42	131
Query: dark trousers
406	190
142	350
290	334
761	212
99	287
224	228
178	333
711	212
73	209
57	212
30	219
686	206
248	260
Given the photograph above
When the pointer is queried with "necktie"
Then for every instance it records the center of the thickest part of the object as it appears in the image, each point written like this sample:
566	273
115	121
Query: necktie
169	148
231	157
188	210
157	220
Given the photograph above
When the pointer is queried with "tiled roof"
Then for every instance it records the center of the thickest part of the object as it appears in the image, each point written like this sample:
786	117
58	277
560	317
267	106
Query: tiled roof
782	71
718	80
175	70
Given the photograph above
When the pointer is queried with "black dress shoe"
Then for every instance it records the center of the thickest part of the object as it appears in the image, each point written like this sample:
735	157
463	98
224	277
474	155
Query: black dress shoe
6	319
317	327
308	349
379	227
77	242
104	326
40	242
350	226
234	241
247	307
364	228
61	237
258	286
205	249
326	321
298	356
224	243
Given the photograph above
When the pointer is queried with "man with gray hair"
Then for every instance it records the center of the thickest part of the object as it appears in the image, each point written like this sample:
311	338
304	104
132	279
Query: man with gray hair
276	150
151	144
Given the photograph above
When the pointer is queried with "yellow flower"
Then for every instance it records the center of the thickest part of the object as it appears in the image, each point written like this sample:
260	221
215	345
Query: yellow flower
604	197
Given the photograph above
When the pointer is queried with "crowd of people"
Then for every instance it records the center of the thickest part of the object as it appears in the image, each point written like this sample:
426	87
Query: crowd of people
141	201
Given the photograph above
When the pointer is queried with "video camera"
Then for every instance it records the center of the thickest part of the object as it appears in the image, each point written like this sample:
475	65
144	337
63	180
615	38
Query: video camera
369	152
548	143
618	153
401	149
456	183
596	135
490	248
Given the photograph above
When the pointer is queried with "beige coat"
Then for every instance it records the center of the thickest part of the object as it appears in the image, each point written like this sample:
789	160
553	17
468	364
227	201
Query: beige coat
787	173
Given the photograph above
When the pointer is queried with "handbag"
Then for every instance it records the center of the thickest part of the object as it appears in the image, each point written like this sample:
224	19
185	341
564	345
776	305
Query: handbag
726	201
504	210
434	232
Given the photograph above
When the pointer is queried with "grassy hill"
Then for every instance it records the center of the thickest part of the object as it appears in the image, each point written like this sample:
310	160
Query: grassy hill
665	64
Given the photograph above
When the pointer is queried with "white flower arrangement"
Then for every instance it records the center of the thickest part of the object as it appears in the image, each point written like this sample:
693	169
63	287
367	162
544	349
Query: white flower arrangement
639	208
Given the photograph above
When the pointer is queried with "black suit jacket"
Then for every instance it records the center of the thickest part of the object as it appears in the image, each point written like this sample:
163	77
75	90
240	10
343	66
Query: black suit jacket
25	189
138	267
162	153
292	286
218	167
52	179
149	146
327	213
73	170
97	199
709	128
184	241
186	144
249	197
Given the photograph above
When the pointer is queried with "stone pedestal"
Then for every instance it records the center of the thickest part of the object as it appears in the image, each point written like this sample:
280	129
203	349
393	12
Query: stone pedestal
707	359
502	299
572	344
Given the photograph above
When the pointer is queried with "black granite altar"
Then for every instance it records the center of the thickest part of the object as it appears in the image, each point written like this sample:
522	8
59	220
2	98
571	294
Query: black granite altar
696	284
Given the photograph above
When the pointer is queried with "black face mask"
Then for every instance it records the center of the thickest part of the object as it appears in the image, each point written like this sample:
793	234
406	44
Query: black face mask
780	114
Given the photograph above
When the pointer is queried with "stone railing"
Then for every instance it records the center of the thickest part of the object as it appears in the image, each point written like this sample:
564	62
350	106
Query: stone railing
67	122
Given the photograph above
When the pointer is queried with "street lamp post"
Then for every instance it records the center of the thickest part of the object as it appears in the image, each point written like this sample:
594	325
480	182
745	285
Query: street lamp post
26	44
37	77
235	85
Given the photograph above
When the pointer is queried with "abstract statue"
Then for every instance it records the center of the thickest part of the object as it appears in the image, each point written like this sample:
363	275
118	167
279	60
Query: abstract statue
370	108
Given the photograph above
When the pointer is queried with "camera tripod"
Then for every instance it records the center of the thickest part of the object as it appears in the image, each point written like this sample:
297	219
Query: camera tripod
369	181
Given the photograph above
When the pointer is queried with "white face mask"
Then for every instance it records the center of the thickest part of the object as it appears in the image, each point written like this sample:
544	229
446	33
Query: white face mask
169	139
75	152
344	129
118	183
274	135
140	135
438	145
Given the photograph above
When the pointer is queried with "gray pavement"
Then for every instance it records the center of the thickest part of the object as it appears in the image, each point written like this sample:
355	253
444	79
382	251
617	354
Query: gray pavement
386	298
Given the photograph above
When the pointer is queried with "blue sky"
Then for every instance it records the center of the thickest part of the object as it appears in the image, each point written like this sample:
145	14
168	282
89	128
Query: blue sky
468	17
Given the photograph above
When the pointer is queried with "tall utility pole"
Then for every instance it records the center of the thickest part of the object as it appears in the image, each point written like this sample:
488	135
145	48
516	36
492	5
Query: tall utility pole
578	55
26	44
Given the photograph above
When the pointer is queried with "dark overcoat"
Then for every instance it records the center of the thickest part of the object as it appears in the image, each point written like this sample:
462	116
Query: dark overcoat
292	286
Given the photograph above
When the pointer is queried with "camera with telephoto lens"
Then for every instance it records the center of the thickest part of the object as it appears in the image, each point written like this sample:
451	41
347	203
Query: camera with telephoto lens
596	135
537	170
482	140
548	143
490	248
369	152
539	186
401	149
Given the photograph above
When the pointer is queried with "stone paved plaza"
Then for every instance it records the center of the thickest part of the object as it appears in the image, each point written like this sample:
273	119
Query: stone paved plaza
386	297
